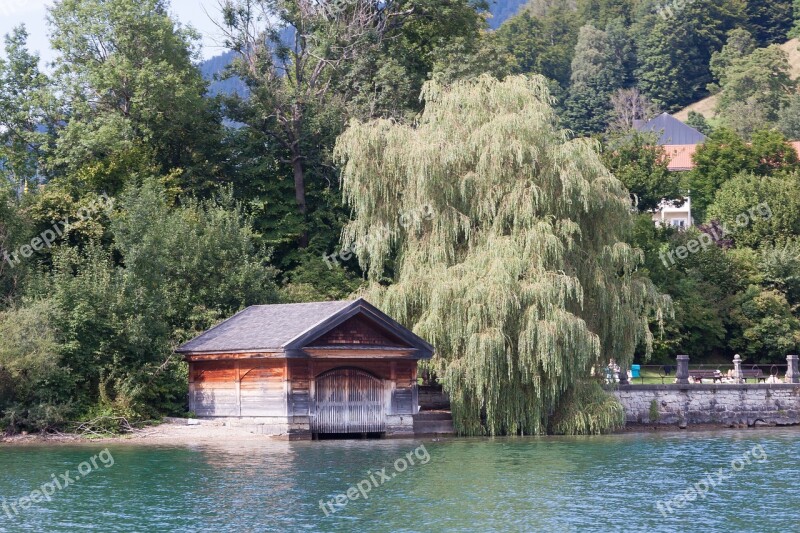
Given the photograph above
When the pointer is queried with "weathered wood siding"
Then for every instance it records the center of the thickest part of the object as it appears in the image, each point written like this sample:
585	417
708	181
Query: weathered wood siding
263	387
212	388
299	387
398	378
358	331
238	388
286	387
349	400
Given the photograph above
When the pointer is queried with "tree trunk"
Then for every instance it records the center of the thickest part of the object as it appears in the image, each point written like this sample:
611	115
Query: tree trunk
300	190
298	170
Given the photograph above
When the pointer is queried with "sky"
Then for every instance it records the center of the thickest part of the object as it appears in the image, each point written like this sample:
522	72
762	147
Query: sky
33	13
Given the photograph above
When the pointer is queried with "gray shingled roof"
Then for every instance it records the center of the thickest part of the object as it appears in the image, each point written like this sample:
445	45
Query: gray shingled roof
672	130
264	327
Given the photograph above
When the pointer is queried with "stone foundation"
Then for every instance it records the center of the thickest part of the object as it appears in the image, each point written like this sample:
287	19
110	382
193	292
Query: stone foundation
718	404
297	427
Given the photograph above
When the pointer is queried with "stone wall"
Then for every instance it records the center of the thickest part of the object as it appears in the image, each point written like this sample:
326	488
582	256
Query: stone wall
719	404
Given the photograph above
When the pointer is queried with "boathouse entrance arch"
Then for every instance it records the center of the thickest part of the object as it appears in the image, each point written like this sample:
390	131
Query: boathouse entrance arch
348	400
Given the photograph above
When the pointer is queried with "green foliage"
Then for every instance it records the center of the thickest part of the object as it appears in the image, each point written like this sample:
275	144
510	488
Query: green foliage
771	20
699	122
780	265
597	71
725	155
15	230
201	261
116	315
757	209
587	410
653	413
26	105
740	44
602	12
768	328
762	80
125	70
533	245
525	247
35	387
674	52
641	165
795	31
542	44
789	118
701	286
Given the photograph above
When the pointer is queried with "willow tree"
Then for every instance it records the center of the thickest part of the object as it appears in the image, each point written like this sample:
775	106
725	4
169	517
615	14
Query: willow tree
521	277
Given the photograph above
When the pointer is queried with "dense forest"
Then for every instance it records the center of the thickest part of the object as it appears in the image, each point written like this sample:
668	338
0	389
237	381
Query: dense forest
417	151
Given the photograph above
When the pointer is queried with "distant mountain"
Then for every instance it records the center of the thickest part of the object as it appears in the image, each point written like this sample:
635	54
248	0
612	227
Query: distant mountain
502	10
214	68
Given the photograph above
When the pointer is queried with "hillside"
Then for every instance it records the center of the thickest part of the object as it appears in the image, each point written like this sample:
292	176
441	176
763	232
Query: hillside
706	106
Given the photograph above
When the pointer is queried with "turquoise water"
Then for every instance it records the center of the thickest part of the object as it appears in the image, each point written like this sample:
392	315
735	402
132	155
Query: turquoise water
609	483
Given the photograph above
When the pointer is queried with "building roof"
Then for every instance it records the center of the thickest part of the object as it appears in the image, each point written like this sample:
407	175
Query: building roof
672	130
287	327
680	156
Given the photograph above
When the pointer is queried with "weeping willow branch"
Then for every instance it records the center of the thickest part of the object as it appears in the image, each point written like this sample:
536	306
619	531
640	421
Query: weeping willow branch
521	279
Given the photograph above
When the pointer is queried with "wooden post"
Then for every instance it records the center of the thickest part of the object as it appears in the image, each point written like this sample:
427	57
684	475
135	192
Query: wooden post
414	390
192	403
312	390
393	387
238	390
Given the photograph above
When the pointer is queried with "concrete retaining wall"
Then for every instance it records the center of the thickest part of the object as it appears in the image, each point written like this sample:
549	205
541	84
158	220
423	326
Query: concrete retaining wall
720	404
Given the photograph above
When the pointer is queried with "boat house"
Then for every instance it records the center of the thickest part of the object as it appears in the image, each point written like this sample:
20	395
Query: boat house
308	369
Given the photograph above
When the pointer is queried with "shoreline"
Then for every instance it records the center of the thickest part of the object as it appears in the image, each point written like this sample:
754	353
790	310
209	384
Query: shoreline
171	432
180	432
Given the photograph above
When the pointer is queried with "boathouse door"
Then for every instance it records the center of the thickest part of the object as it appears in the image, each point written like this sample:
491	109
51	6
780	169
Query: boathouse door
348	400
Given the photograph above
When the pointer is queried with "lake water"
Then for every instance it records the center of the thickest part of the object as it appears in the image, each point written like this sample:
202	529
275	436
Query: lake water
608	483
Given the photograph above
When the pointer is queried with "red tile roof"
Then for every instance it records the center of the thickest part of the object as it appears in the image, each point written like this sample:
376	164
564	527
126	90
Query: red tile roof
680	156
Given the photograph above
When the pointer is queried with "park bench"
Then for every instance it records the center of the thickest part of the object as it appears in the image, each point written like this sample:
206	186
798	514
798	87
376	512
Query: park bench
754	373
699	375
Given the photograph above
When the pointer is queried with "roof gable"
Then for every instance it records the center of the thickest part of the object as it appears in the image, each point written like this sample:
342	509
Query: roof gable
291	327
359	330
671	130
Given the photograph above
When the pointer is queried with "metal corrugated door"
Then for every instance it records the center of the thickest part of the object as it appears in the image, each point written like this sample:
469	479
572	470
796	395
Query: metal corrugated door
348	400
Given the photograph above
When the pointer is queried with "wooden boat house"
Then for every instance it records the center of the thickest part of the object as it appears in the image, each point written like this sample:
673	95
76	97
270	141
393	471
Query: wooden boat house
308	369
